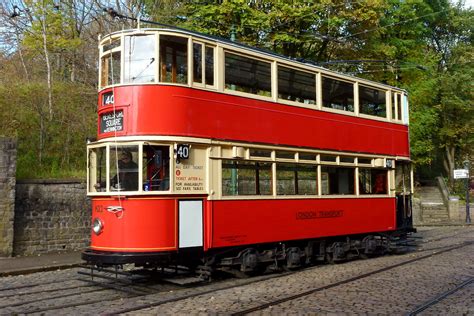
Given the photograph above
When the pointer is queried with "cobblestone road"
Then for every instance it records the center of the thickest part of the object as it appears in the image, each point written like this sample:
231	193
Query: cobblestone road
395	291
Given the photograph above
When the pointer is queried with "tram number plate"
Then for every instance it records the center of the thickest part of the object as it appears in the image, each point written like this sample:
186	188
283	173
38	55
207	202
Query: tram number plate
182	151
110	122
108	98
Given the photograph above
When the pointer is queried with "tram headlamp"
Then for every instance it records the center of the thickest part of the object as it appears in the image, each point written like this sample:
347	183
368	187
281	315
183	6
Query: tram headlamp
97	226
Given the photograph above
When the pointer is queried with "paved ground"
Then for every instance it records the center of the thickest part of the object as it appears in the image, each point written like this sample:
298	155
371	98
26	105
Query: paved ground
47	262
332	289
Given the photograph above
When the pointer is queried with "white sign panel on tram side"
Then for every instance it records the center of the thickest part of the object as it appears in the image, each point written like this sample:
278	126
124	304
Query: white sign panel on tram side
461	174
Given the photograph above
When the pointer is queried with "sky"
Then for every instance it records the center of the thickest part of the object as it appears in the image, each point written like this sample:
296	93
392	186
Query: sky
469	3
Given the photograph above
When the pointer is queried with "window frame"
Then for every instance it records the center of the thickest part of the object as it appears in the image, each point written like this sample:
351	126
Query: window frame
188	59
203	83
225	153
355	98
382	91
109	53
291	102
155	56
249	56
108	147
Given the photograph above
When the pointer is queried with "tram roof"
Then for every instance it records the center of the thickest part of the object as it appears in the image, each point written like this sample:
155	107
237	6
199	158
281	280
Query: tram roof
248	47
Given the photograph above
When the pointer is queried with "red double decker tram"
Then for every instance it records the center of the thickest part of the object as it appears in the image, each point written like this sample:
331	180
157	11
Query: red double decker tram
218	155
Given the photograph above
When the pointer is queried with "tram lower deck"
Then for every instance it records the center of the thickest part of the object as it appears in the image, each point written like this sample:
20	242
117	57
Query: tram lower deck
168	224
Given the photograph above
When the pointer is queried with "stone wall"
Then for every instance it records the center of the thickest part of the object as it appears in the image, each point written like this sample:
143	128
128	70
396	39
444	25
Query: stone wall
7	194
51	216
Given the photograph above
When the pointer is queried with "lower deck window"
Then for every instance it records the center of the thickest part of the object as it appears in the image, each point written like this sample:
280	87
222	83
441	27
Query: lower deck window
294	179
97	169
372	181
246	178
336	180
156	168
123	168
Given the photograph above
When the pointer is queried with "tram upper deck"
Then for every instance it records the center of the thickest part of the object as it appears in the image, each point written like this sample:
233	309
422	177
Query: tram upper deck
178	83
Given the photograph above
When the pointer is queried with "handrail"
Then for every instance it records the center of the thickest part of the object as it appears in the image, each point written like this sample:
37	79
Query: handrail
443	188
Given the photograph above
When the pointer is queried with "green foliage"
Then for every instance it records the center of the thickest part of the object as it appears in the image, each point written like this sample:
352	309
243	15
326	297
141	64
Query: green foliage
59	36
48	148
423	131
424	46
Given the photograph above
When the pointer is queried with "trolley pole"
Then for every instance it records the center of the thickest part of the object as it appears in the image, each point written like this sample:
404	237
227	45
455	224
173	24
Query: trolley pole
468	215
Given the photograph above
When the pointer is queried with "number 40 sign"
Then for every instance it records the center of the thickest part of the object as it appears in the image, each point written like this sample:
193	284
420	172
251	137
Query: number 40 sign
182	151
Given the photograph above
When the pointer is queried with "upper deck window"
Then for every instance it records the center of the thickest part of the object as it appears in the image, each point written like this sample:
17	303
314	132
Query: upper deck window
372	101
394	105
209	65
203	58
112	44
110	69
197	62
110	63
173	59
295	85
338	94
247	75
139	59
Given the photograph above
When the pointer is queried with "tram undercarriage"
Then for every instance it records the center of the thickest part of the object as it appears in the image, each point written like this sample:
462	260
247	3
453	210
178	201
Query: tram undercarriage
256	259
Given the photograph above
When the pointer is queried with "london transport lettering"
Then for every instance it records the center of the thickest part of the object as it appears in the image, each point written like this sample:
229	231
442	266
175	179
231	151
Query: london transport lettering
305	215
111	123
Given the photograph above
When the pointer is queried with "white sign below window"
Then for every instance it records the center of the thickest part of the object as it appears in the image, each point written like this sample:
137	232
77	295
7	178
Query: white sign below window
461	174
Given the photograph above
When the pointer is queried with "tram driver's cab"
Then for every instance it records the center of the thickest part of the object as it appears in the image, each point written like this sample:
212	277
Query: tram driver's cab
114	168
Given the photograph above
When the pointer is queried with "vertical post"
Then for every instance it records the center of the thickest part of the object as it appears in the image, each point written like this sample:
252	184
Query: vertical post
468	215
232	33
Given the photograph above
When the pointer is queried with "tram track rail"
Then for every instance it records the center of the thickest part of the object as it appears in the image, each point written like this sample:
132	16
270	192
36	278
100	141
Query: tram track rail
288	298
42	291
145	291
356	278
438	298
49	298
427	240
36	284
112	290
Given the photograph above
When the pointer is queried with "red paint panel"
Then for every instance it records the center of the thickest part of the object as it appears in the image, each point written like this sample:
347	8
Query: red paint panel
261	221
145	225
181	111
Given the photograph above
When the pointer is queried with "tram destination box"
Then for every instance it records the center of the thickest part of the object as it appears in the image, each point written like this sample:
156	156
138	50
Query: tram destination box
111	122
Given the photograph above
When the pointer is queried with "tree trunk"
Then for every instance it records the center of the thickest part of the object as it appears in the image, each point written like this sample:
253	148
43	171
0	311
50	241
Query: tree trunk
48	68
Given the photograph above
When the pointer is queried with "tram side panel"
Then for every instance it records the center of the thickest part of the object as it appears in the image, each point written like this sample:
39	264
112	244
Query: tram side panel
246	222
135	225
197	113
